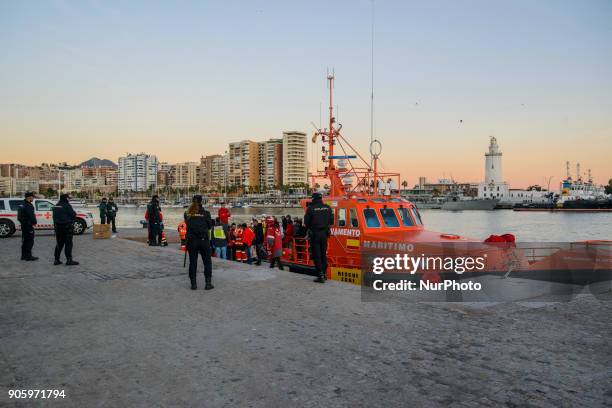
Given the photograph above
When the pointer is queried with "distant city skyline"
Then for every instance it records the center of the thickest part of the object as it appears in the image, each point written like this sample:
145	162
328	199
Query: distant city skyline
179	81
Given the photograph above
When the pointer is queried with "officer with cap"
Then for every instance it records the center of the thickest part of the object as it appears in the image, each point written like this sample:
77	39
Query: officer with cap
27	219
319	217
199	225
63	222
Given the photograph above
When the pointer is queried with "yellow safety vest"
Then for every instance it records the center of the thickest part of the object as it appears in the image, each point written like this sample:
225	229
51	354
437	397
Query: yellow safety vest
218	232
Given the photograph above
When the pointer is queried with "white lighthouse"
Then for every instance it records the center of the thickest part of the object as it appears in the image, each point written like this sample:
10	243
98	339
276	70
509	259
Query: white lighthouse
493	185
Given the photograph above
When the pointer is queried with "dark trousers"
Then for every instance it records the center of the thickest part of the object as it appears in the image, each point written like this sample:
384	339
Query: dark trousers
27	241
63	239
102	218
201	247
259	253
275	260
155	233
318	244
111	220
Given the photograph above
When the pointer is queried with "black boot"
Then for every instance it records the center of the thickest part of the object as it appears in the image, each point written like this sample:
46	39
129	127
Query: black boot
31	258
320	279
208	286
70	262
193	285
57	262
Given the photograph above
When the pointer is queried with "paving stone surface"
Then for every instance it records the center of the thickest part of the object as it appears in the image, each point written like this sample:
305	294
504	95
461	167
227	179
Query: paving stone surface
123	330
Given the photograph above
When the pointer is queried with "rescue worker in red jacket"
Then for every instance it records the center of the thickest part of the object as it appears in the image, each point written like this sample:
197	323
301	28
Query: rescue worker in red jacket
275	242
248	236
231	242
239	245
289	232
224	215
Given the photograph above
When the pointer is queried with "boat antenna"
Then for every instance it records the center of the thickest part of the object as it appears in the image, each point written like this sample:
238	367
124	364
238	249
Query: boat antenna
372	82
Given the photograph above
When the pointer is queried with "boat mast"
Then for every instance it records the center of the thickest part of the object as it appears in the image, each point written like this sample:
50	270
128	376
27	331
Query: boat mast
330	148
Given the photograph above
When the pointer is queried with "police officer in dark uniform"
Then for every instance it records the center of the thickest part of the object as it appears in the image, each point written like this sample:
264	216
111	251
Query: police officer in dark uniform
103	206
199	225
319	217
63	222
154	219
27	219
111	213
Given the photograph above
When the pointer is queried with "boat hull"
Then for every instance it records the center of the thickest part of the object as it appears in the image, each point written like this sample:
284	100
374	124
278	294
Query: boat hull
463	205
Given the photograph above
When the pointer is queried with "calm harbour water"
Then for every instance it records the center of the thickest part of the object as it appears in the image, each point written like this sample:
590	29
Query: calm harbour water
526	226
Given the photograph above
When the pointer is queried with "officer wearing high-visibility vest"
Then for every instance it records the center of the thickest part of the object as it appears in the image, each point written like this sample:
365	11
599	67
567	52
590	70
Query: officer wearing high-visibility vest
199	225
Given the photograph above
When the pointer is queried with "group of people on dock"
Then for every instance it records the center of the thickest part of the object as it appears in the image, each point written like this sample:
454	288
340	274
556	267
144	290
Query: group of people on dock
108	212
263	239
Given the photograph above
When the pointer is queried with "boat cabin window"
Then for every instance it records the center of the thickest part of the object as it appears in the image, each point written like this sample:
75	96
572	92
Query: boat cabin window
389	218
341	217
379	200
371	219
416	216
362	200
353	217
405	216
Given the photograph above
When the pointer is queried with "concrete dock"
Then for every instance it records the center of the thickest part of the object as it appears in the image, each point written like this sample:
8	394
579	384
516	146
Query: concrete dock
123	329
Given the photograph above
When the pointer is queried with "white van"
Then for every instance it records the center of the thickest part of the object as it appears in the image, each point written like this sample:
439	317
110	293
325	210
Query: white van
43	209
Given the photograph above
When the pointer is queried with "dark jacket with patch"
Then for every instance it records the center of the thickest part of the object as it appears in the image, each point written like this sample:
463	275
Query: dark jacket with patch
25	215
319	216
63	214
198	225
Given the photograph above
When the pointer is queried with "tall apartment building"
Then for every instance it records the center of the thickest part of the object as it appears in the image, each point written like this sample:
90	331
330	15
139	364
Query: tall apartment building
243	168
271	163
261	146
295	159
219	171
185	175
206	170
137	172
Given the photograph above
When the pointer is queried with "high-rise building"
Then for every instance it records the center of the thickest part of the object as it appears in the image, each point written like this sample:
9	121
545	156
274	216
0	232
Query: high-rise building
219	169
243	168
272	164
206	171
262	163
137	172
295	162
185	175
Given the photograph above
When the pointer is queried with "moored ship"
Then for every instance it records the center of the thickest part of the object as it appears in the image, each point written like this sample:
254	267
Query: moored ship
371	222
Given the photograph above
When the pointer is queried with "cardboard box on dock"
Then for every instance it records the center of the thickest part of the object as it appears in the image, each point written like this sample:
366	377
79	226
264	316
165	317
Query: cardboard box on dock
101	231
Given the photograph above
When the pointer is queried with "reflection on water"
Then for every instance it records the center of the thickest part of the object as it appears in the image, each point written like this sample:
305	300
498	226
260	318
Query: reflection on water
527	226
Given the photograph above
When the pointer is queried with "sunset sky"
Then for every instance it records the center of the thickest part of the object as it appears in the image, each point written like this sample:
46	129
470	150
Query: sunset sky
181	79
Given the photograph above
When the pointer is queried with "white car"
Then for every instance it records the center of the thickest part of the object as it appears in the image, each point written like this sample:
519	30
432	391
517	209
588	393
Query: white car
44	215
